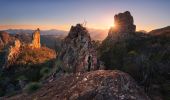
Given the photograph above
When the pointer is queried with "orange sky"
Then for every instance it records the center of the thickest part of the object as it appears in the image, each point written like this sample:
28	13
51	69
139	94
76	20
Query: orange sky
67	27
42	27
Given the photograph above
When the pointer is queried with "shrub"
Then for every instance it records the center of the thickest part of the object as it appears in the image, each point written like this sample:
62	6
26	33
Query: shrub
166	91
2	92
22	78
32	87
44	71
132	53
58	65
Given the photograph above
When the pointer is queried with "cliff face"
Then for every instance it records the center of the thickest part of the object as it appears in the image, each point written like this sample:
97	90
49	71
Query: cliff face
93	85
78	54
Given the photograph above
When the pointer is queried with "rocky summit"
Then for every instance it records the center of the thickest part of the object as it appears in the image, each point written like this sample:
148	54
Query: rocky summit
78	54
36	39
124	23
93	85
124	26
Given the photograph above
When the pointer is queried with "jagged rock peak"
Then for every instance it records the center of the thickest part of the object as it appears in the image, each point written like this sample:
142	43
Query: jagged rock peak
77	31
78	54
124	23
36	39
12	53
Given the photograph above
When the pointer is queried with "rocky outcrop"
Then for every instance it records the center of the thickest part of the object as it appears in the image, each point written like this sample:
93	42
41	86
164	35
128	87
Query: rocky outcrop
93	85
36	39
4	36
78	54
12	53
124	26
124	23
1	44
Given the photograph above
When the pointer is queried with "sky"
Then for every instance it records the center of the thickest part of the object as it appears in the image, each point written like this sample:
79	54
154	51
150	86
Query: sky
99	14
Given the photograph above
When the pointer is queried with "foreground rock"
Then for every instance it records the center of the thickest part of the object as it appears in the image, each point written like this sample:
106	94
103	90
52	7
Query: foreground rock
78	54
94	85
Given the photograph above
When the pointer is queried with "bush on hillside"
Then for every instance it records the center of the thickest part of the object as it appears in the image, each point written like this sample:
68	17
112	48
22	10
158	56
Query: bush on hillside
32	87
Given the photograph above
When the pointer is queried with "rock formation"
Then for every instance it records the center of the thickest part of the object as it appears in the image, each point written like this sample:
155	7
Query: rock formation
78	54
124	23
36	39
124	26
12	53
4	36
93	85
1	44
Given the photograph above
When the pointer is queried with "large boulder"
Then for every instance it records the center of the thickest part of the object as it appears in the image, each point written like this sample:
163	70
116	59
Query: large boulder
78	54
93	85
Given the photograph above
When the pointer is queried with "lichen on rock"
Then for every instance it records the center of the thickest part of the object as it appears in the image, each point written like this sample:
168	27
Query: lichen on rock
93	85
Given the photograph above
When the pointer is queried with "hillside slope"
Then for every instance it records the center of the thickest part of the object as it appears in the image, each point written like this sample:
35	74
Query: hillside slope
162	31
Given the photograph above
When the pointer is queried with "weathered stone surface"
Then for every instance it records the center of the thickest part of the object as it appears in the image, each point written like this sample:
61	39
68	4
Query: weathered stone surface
36	39
93	85
124	28
124	23
78	54
12	53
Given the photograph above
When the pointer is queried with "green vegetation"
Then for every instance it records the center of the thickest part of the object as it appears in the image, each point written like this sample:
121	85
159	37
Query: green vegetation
32	87
32	65
146	59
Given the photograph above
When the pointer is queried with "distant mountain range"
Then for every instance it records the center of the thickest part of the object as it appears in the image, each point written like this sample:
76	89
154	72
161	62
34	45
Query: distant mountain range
43	32
96	34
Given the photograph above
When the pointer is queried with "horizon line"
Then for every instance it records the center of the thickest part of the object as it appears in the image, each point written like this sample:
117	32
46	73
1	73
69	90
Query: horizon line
64	27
